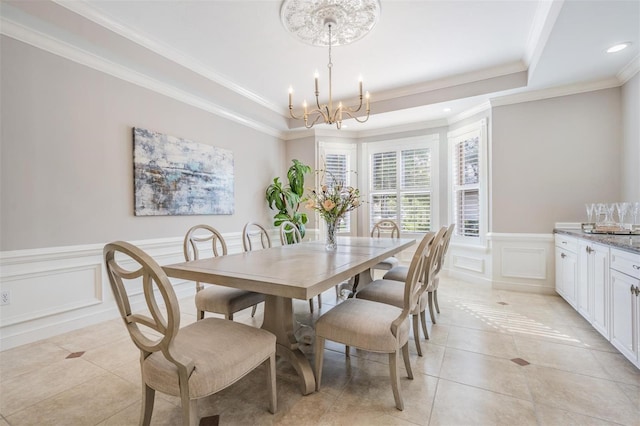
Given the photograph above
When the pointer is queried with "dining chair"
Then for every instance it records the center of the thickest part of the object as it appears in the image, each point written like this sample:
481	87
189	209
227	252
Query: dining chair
374	326
399	273
392	291
212	297
380	229
255	237
191	362
289	234
433	291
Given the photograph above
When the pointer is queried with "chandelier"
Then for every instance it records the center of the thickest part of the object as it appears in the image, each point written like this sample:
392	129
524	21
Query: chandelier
330	23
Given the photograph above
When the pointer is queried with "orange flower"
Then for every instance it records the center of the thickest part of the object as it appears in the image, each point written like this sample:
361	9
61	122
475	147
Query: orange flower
328	205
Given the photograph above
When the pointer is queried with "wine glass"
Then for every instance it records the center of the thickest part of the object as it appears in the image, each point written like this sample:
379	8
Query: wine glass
622	209
635	211
591	210
601	212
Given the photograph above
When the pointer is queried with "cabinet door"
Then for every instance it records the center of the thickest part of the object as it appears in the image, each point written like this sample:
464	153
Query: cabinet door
623	315
584	283
568	275
600	284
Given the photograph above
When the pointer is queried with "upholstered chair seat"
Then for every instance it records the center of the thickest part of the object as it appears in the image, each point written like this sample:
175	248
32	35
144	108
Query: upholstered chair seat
225	300
374	334
222	352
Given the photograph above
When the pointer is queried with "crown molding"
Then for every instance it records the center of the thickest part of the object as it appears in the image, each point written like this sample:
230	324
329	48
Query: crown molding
630	70
84	9
554	92
456	80
65	50
484	106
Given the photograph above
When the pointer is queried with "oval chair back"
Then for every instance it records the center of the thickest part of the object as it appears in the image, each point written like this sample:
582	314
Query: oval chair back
203	237
289	233
255	237
385	227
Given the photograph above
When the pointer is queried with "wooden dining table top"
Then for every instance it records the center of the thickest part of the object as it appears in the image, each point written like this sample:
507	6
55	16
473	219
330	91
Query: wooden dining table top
297	271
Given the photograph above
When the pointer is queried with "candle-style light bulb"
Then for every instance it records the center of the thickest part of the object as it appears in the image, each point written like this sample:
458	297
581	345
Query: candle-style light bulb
316	76
367	96
304	106
360	83
290	96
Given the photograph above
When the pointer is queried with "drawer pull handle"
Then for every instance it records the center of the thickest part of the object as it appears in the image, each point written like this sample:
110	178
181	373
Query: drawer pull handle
564	242
589	250
632	289
562	255
636	267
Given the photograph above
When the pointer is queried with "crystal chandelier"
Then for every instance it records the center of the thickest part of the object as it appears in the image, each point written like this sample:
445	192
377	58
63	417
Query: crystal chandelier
330	23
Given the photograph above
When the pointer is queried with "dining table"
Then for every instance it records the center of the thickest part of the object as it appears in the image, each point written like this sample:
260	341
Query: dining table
296	271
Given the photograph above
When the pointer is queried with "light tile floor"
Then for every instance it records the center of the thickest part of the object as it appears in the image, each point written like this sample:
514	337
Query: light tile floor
466	376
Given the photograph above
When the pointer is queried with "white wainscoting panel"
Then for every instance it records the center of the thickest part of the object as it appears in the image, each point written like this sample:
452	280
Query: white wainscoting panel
59	289
523	262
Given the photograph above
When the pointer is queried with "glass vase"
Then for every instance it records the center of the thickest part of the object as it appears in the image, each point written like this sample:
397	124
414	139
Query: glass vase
331	235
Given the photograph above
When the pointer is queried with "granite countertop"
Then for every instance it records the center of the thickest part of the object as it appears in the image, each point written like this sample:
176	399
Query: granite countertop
629	243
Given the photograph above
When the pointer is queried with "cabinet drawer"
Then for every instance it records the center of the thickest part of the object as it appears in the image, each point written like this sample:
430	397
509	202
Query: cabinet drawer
566	242
625	262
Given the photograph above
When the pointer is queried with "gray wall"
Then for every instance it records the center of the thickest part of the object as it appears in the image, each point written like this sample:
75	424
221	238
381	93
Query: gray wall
631	136
66	154
549	157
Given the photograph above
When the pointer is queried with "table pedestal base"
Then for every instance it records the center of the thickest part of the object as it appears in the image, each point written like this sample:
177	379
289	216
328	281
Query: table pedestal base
278	319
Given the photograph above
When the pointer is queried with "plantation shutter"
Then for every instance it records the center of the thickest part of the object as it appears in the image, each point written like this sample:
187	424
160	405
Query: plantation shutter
401	188
415	215
337	171
466	187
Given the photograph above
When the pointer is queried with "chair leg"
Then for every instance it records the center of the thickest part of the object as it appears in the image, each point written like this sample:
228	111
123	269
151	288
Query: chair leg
407	360
320	301
347	351
423	318
416	334
433	316
311	305
200	315
395	380
319	360
189	409
253	311
148	396
435	299
229	317
271	383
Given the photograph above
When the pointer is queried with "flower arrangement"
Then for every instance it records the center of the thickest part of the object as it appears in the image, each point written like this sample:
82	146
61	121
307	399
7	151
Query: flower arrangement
333	201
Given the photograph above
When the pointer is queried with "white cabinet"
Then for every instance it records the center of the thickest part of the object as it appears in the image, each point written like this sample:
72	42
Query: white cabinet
593	284
625	303
566	268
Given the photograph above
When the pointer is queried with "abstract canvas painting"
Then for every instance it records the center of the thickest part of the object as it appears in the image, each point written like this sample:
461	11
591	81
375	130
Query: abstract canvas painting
174	176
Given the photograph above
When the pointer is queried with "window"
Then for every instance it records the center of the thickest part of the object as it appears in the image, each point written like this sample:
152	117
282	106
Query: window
467	180
338	160
401	183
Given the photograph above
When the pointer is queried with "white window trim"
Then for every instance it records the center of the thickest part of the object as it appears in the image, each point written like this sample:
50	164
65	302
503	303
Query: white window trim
478	129
351	150
430	141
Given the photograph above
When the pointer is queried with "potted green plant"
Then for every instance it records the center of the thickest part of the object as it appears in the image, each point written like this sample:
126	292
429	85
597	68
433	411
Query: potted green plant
286	199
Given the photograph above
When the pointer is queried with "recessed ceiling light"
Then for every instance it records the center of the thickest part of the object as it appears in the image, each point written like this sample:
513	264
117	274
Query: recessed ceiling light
447	109
618	47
